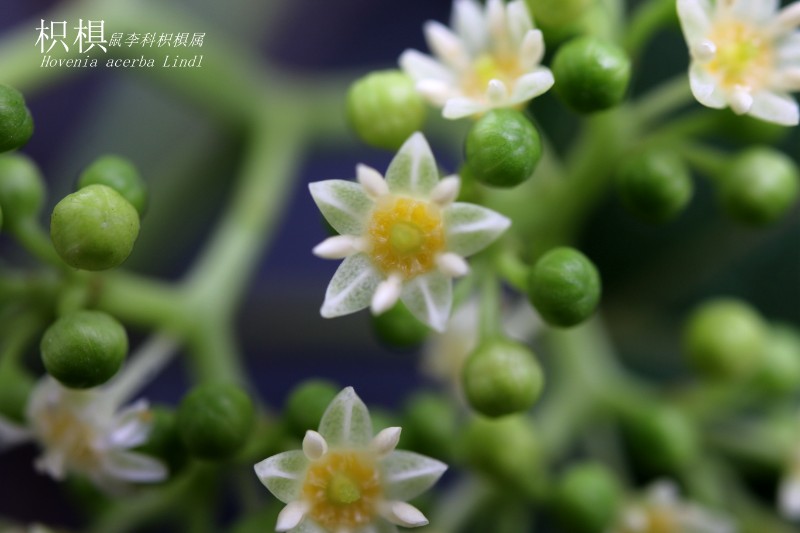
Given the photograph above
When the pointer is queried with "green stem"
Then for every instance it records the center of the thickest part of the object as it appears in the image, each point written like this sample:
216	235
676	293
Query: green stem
710	162
490	325
17	336
663	100
512	269
649	17
30	234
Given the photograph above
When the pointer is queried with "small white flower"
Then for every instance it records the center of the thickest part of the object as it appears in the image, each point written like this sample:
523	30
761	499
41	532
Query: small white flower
345	480
662	511
491	59
402	238
745	55
789	489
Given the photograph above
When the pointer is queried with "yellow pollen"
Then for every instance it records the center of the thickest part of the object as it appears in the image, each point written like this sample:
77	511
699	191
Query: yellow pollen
405	236
744	55
343	490
489	67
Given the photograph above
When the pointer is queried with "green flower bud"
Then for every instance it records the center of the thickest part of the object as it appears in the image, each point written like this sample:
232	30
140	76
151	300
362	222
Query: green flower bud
564	286
214	420
655	186
84	349
16	122
119	174
306	404
587	498
164	441
94	228
398	328
779	371
15	388
555	13
384	108
502	148
760	185
507	450
502	377
429	426
21	189
724	338
591	74
661	438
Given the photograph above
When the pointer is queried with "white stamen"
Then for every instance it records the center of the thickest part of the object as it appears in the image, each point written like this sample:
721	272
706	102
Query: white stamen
437	91
387	294
704	51
403	514
291	515
372	181
338	247
386	441
452	265
314	445
741	100
497	93
446	191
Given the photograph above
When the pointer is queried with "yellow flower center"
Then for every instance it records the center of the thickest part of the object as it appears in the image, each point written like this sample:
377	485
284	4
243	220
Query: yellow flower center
488	67
659	520
405	235
60	428
744	54
343	490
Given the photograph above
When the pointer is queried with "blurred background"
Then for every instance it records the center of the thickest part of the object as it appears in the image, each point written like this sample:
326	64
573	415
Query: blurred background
651	275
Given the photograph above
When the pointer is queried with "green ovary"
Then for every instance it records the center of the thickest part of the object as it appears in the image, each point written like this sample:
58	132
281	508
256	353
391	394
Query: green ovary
342	490
405	238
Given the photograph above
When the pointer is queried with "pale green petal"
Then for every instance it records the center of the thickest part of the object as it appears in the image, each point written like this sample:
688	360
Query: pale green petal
308	526
379	526
471	228
346	422
413	170
131	466
344	204
351	287
283	474
429	298
695	18
406	475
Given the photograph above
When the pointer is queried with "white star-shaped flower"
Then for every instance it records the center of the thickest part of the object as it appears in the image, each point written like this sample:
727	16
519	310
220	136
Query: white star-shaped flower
789	489
345	480
661	510
490	59
745	55
402	237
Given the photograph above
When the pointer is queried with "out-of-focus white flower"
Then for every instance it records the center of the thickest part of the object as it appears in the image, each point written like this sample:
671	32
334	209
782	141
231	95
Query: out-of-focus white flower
662	511
789	489
403	237
491	58
745	54
345	480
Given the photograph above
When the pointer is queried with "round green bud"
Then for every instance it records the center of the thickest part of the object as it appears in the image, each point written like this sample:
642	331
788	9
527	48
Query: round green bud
661	438
94	228
119	174
16	122
502	148
429	426
15	388
21	188
307	403
655	186
587	498
164	441
564	286
779	371
214	420
760	185
384	108
724	338
502	377
84	349
506	449
591	74
555	13
398	328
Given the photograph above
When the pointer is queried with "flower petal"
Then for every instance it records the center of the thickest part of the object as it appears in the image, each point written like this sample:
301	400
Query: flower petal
131	427
379	526
456	108
131	466
404	514
531	51
309	526
423	67
407	474
344	204
470	24
446	45
283	474
429	298
291	515
413	169
12	434
338	247
314	446
519	21
471	228
788	50
532	85
789	498
775	107
351	287
704	87
695	18
755	10
346	422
